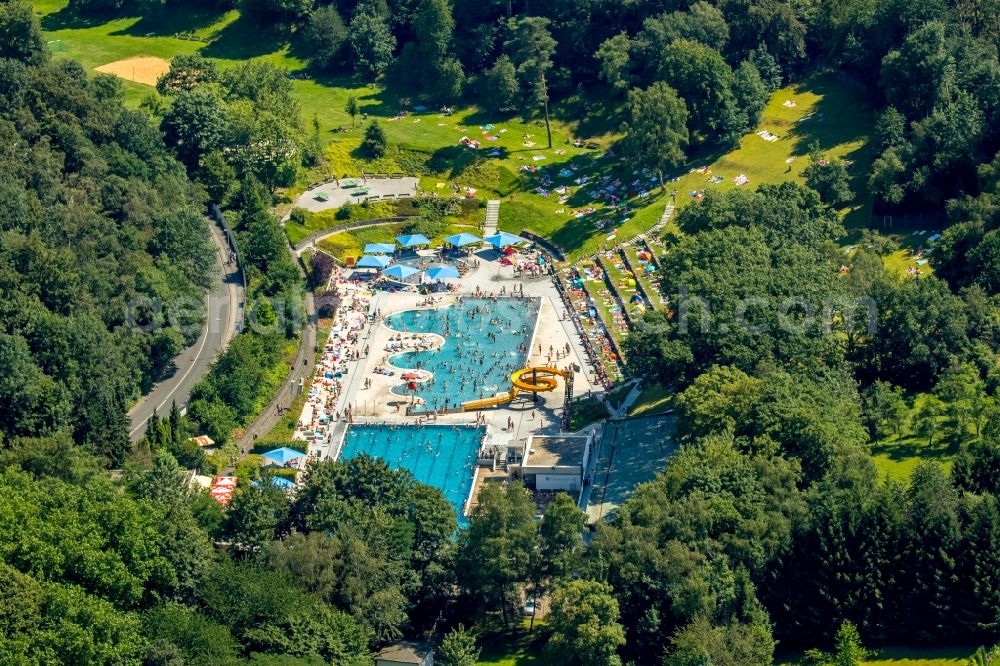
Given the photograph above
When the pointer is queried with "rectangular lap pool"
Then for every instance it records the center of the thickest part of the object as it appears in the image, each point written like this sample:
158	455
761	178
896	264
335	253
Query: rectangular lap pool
443	456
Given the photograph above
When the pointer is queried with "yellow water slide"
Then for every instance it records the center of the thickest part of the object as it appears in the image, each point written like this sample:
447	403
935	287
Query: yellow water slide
539	379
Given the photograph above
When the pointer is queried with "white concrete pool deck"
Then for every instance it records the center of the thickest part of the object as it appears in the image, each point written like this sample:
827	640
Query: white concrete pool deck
378	403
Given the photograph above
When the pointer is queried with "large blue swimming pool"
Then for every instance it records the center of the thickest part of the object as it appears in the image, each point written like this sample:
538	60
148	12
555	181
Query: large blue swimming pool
442	456
485	341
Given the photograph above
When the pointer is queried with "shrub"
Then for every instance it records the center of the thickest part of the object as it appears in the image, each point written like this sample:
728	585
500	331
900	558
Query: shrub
375	144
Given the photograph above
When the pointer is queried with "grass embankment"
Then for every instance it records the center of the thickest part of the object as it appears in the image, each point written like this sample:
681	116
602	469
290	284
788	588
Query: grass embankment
645	279
653	399
587	411
603	303
314	222
622	280
467	217
839	122
351	243
616	396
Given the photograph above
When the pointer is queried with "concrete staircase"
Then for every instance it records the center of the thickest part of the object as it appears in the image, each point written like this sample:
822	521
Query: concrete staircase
492	217
666	214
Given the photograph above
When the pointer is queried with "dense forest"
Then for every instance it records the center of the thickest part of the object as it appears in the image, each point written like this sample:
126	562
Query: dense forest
770	525
102	238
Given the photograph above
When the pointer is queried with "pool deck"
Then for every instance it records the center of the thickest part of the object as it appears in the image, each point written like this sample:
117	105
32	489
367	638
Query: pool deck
379	403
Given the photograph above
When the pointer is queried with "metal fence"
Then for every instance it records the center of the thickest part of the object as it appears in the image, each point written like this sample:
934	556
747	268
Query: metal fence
546	245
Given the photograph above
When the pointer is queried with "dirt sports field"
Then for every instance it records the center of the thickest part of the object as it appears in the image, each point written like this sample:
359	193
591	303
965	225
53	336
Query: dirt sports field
141	69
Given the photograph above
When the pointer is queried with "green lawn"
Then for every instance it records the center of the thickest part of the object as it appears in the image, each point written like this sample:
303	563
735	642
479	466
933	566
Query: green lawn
840	123
897	457
645	279
428	142
653	399
351	243
521	649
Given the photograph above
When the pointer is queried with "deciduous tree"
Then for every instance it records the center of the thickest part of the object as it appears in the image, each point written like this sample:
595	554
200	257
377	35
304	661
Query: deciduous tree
372	44
502	90
584	623
656	133
326	36
531	47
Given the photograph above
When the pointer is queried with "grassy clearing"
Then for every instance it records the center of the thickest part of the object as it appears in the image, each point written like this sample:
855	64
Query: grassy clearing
903	260
896	457
521	649
910	242
428	142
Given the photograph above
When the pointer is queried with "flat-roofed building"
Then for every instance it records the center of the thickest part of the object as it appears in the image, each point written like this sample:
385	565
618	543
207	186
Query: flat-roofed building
556	463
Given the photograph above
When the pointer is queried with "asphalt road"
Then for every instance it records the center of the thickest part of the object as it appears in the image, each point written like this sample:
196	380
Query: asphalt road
223	307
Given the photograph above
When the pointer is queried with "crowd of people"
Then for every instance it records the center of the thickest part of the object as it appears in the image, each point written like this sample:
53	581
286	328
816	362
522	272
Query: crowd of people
325	398
468	370
600	350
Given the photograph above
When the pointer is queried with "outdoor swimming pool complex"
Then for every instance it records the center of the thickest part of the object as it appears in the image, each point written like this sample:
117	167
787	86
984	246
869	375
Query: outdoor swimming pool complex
443	456
485	341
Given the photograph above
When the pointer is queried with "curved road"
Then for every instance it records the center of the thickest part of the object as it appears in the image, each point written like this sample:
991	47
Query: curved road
223	305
